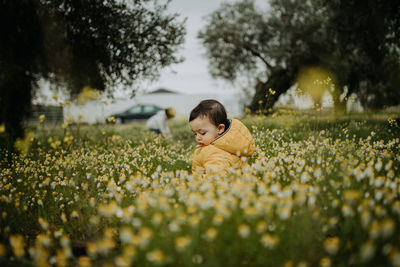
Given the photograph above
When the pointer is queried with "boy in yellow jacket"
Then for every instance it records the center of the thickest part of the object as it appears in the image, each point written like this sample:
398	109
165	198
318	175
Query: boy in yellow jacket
221	142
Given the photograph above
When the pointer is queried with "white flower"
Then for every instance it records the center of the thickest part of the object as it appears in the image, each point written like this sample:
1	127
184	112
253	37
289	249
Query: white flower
305	177
367	251
244	230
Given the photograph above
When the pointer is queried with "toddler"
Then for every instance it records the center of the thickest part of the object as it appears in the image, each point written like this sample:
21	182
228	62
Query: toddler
221	142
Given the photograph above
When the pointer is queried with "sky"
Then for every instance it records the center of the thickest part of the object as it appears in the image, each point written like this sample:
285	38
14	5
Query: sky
192	76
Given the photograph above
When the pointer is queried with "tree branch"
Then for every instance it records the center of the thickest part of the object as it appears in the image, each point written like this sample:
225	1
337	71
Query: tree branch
257	54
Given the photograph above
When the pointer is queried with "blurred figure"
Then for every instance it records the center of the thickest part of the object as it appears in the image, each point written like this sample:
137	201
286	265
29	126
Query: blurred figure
158	122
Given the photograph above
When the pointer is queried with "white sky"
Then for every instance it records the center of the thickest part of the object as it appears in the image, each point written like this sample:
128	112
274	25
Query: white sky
192	76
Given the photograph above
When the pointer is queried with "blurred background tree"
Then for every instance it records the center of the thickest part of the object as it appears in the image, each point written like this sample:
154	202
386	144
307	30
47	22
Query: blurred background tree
367	36
357	42
80	43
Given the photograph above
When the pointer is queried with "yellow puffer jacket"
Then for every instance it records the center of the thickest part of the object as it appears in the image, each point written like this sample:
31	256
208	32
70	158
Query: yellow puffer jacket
225	151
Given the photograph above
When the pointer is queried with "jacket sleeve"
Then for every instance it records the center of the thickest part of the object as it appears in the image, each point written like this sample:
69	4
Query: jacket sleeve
217	163
196	167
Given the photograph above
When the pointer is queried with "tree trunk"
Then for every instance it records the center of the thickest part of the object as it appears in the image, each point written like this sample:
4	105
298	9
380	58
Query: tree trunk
267	93
15	103
339	106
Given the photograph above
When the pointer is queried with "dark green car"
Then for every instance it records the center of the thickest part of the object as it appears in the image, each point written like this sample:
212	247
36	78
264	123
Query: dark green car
135	113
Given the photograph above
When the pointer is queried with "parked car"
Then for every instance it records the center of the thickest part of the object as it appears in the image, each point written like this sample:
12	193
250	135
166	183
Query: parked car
137	112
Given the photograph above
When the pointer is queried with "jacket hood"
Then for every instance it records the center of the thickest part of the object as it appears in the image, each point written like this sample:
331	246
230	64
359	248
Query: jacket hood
237	139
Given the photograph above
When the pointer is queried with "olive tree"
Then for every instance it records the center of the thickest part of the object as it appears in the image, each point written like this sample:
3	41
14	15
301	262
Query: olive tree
80	43
274	46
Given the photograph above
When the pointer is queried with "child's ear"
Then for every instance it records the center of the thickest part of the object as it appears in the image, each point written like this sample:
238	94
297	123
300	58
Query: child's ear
221	128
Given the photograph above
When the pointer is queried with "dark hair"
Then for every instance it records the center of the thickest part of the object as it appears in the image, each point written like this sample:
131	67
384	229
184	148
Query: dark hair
212	109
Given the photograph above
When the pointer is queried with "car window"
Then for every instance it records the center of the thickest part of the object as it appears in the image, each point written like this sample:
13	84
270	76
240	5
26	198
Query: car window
149	109
135	110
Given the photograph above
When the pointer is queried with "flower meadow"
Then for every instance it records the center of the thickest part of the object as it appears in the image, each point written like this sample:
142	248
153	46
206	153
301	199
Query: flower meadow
319	191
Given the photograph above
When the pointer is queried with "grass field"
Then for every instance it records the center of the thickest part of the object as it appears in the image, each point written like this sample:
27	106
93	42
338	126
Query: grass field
320	191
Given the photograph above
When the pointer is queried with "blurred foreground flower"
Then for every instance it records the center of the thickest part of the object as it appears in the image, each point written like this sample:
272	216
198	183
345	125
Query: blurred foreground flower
244	230
269	241
325	262
2	128
331	245
367	251
210	234
43	223
84	261
41	118
17	244
87	93
111	119
182	242
2	250
315	81
22	145
156	256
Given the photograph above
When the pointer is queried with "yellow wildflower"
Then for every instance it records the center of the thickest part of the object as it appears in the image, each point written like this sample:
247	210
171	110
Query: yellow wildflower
126	234
244	230
367	251
86	94
261	227
351	196
17	244
157	218
41	118
43	223
43	240
331	245
2	128
194	220
123	261
2	250
211	234
182	242
272	92
61	258
108	210
269	241
156	256
23	145
91	249
325	262
84	261
388	227
395	257
111	119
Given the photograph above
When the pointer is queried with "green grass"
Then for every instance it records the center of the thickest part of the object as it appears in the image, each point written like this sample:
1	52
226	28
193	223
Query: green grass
320	190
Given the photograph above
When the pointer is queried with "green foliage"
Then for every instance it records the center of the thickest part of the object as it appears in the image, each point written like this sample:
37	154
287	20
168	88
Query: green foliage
109	43
101	44
368	35
356	41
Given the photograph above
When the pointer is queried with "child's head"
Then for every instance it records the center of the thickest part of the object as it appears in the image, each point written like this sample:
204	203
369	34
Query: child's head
207	120
170	112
